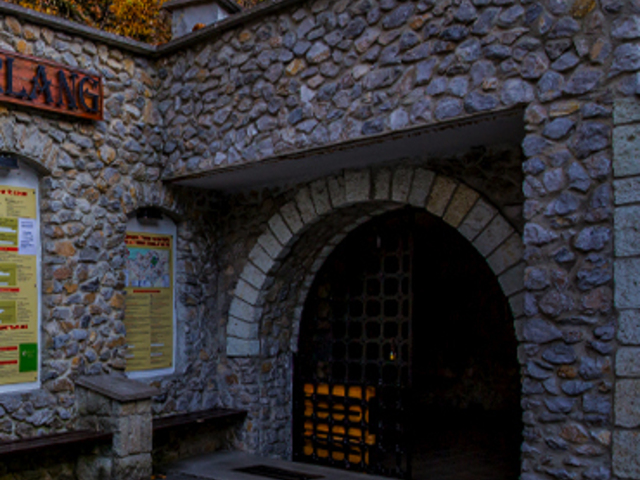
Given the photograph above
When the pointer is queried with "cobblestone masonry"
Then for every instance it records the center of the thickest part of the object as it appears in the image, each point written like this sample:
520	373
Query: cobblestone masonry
320	72
333	71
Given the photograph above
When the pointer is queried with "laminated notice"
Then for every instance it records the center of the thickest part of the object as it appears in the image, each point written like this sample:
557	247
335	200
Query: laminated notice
149	304
18	285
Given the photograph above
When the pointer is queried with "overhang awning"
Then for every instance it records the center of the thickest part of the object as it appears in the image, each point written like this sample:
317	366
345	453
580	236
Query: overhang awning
441	139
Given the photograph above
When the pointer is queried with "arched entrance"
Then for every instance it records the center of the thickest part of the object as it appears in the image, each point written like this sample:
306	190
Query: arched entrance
407	363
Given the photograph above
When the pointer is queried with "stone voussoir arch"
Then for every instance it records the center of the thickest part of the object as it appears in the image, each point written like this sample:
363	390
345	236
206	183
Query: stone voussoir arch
154	195
451	200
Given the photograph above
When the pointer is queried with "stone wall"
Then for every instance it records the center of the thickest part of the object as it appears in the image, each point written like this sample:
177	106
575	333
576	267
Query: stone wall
625	167
97	174
309	75
84	201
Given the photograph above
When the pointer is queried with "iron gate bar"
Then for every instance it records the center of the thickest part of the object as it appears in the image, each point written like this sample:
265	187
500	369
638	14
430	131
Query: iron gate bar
364	342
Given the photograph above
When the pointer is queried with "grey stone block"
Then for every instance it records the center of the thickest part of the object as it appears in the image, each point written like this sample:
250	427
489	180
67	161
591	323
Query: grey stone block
270	244
492	236
626	150
626	190
629	327
462	201
320	197
382	184
507	255
291	215
261	260
626	454
628	362
512	281
305	206
478	218
627	231
441	193
242	329
357	185
136	467
627	286
626	110
280	229
401	184
420	187
237	347
627	403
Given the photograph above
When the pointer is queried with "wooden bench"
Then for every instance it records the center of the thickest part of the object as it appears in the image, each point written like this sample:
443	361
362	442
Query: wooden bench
212	415
83	437
45	442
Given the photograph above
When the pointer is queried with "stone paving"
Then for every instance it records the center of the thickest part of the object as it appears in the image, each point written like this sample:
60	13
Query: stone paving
221	466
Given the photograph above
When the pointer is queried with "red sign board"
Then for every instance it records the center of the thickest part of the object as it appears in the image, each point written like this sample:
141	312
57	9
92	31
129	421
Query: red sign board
50	86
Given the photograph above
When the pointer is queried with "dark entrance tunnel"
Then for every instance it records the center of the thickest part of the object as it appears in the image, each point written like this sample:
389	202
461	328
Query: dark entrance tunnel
407	363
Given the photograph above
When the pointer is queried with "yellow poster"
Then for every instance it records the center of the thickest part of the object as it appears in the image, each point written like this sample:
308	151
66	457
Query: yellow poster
149	306
18	285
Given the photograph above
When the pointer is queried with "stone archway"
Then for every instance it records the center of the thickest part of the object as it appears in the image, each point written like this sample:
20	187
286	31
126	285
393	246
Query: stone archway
453	201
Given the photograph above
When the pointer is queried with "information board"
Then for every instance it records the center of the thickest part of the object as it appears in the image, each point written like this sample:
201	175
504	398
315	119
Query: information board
149	305
18	285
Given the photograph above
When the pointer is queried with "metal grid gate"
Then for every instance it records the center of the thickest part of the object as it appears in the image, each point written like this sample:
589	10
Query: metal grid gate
353	366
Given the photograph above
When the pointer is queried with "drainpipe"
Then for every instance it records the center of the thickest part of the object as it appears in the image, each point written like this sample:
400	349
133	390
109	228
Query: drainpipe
190	15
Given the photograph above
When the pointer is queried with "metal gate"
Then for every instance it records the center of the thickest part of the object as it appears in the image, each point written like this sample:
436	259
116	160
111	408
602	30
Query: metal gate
352	372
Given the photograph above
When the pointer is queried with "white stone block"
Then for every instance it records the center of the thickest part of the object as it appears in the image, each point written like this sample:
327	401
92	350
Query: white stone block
517	304
507	255
421	187
512	281
242	310
382	185
627	231
337	192
261	258
357	185
253	275
629	327
237	347
320	197
271	245
626	190
463	200
492	236
626	150
401	184
292	218
477	219
305	206
280	229
441	193
247	292
628	362
627	282
240	329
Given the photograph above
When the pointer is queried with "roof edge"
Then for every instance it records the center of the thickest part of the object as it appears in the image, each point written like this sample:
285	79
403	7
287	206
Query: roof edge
216	29
230	5
67	26
141	48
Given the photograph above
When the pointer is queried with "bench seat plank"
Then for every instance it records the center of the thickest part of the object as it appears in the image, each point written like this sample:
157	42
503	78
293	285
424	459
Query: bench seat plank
55	439
203	416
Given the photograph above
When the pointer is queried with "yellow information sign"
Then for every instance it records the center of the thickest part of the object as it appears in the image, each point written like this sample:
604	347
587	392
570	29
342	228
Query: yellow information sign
18	285
149	307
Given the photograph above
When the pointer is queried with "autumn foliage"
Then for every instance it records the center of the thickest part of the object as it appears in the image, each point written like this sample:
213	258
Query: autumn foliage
138	19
